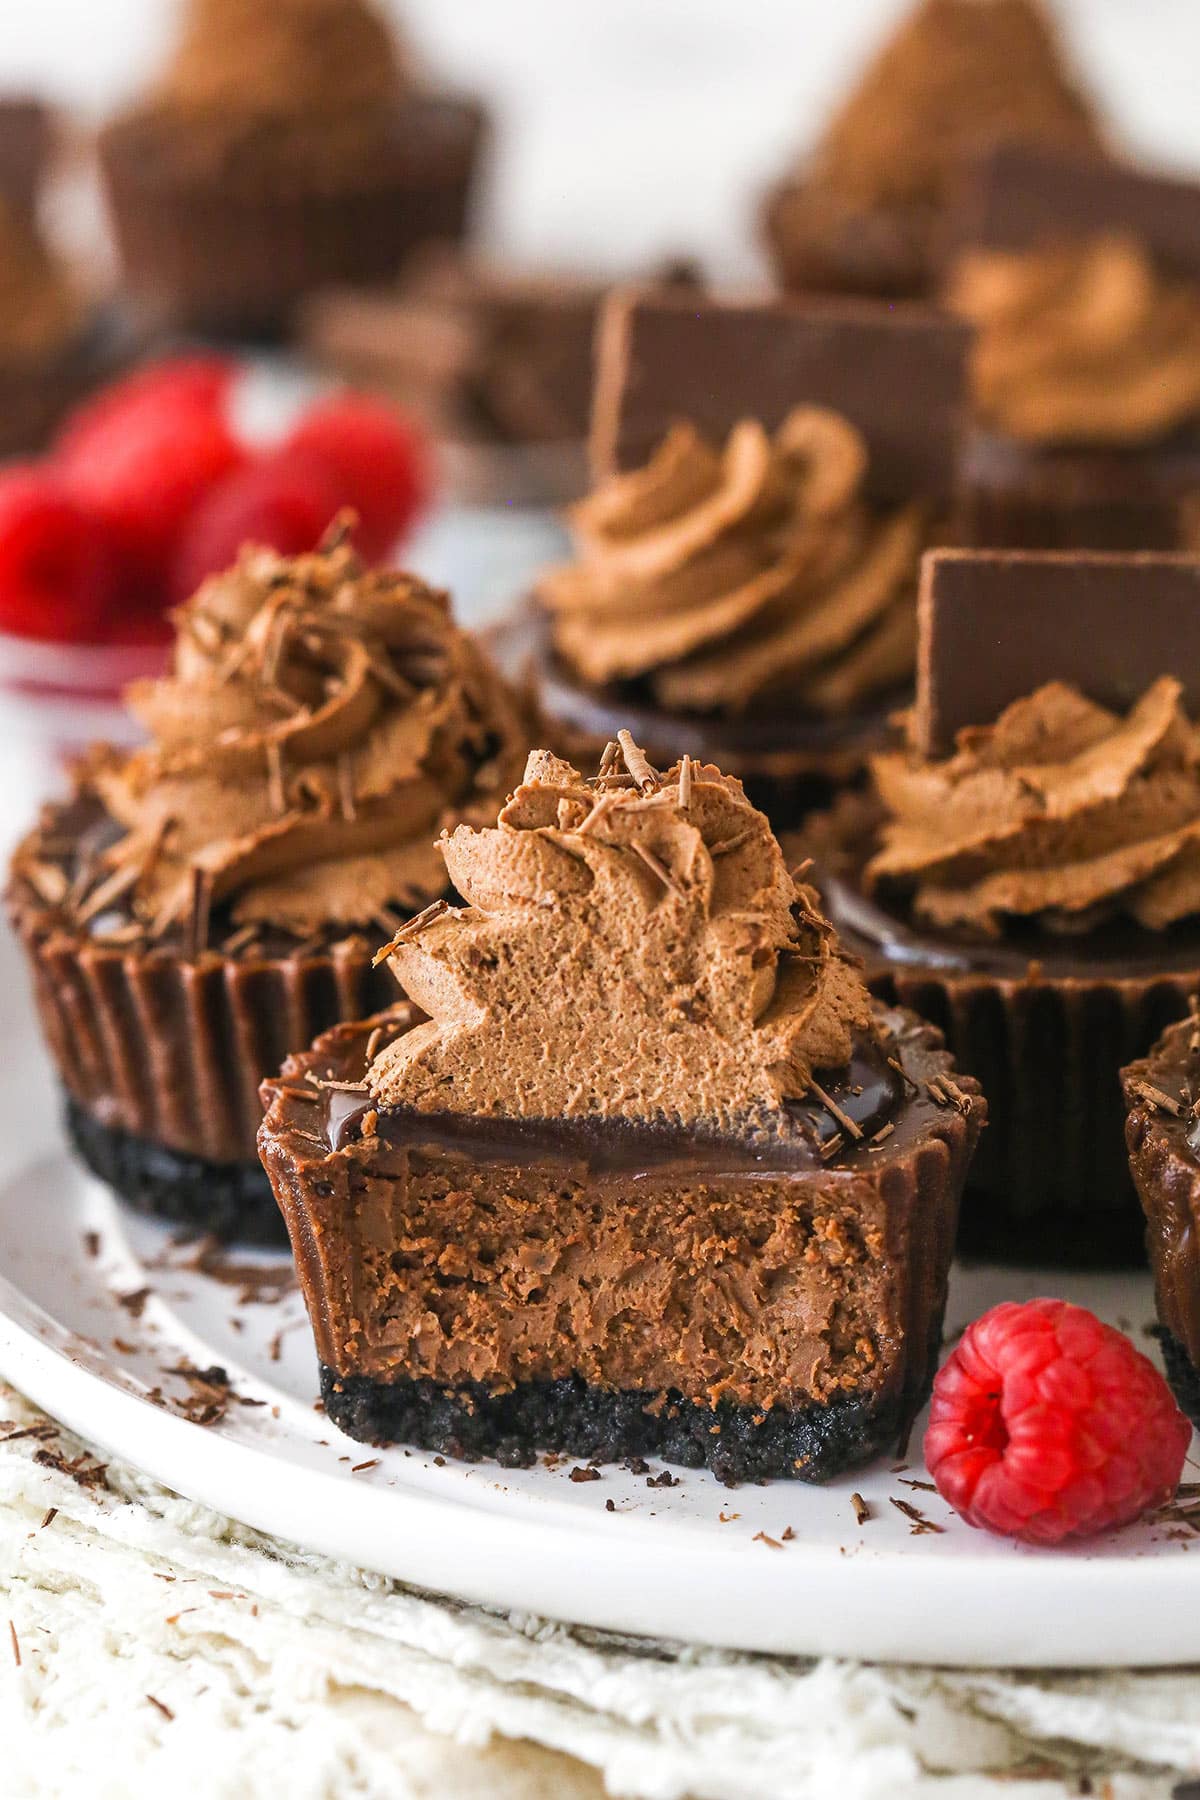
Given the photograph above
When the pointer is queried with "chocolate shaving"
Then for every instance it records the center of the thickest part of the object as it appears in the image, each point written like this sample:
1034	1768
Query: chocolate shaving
894	1063
116	885
373	1043
760	1537
732	843
578	1474
134	1302
16	1643
862	1511
241	938
48	1517
603	805
412	928
161	1706
646	778
196	934
345	772
831	1106
83	1470
685	782
1155	1097
47	880
920	1524
341	1087
830	1148
658	868
885	1131
276	789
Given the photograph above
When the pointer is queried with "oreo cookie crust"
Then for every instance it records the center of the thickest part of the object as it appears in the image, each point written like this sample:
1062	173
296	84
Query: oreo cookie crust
229	1201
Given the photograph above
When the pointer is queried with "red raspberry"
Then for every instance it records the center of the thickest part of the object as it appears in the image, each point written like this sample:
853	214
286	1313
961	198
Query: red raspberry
382	462
203	381
142	470
1047	1424
57	576
284	501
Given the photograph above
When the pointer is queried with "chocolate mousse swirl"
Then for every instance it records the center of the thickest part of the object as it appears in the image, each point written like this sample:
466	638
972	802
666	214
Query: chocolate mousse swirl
322	723
725	579
1084	343
1061	811
632	947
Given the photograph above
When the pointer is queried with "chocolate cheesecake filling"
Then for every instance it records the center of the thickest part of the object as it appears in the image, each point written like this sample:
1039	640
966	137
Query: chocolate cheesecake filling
485	1285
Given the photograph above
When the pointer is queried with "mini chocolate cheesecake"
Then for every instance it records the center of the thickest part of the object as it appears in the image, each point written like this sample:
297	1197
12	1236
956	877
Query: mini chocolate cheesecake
1082	277
1162	1135
654	1176
1025	873
743	587
206	904
868	209
282	149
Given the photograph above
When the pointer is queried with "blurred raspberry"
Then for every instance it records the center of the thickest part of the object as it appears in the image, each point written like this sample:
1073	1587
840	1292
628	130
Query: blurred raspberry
142	471
285	501
57	575
202	381
381	460
1047	1424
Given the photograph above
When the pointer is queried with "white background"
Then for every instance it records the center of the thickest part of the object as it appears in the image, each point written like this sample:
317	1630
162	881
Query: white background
632	128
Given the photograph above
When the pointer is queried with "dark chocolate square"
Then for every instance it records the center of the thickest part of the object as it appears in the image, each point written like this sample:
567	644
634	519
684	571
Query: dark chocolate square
897	372
994	625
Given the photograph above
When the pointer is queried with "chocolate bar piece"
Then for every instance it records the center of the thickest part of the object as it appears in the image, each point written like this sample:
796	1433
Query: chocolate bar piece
896	373
1019	196
994	625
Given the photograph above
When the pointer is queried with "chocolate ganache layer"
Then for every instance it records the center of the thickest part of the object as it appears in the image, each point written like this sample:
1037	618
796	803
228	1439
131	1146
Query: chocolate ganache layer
653	1174
206	904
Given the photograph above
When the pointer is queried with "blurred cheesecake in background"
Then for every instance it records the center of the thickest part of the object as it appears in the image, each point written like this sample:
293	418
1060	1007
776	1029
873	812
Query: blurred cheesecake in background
283	148
1082	278
865	211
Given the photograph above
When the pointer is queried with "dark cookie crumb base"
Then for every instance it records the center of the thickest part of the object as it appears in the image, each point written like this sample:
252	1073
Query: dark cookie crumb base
605	1425
230	1201
1182	1373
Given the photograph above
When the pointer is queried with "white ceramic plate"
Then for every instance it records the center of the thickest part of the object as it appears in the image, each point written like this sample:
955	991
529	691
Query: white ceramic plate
782	1567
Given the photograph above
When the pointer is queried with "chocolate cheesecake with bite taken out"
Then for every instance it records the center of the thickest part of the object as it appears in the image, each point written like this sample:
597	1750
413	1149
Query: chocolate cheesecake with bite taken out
655	1175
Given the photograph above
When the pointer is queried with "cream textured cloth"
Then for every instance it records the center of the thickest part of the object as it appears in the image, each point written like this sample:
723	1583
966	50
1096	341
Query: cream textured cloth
157	1647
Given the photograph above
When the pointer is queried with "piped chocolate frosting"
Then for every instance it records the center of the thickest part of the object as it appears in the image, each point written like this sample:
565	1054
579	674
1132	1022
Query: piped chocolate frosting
321	723
725	578
1061	811
633	950
1080	343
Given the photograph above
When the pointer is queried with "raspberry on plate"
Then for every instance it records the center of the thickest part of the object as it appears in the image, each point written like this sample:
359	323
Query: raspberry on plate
1047	1424
381	462
57	579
